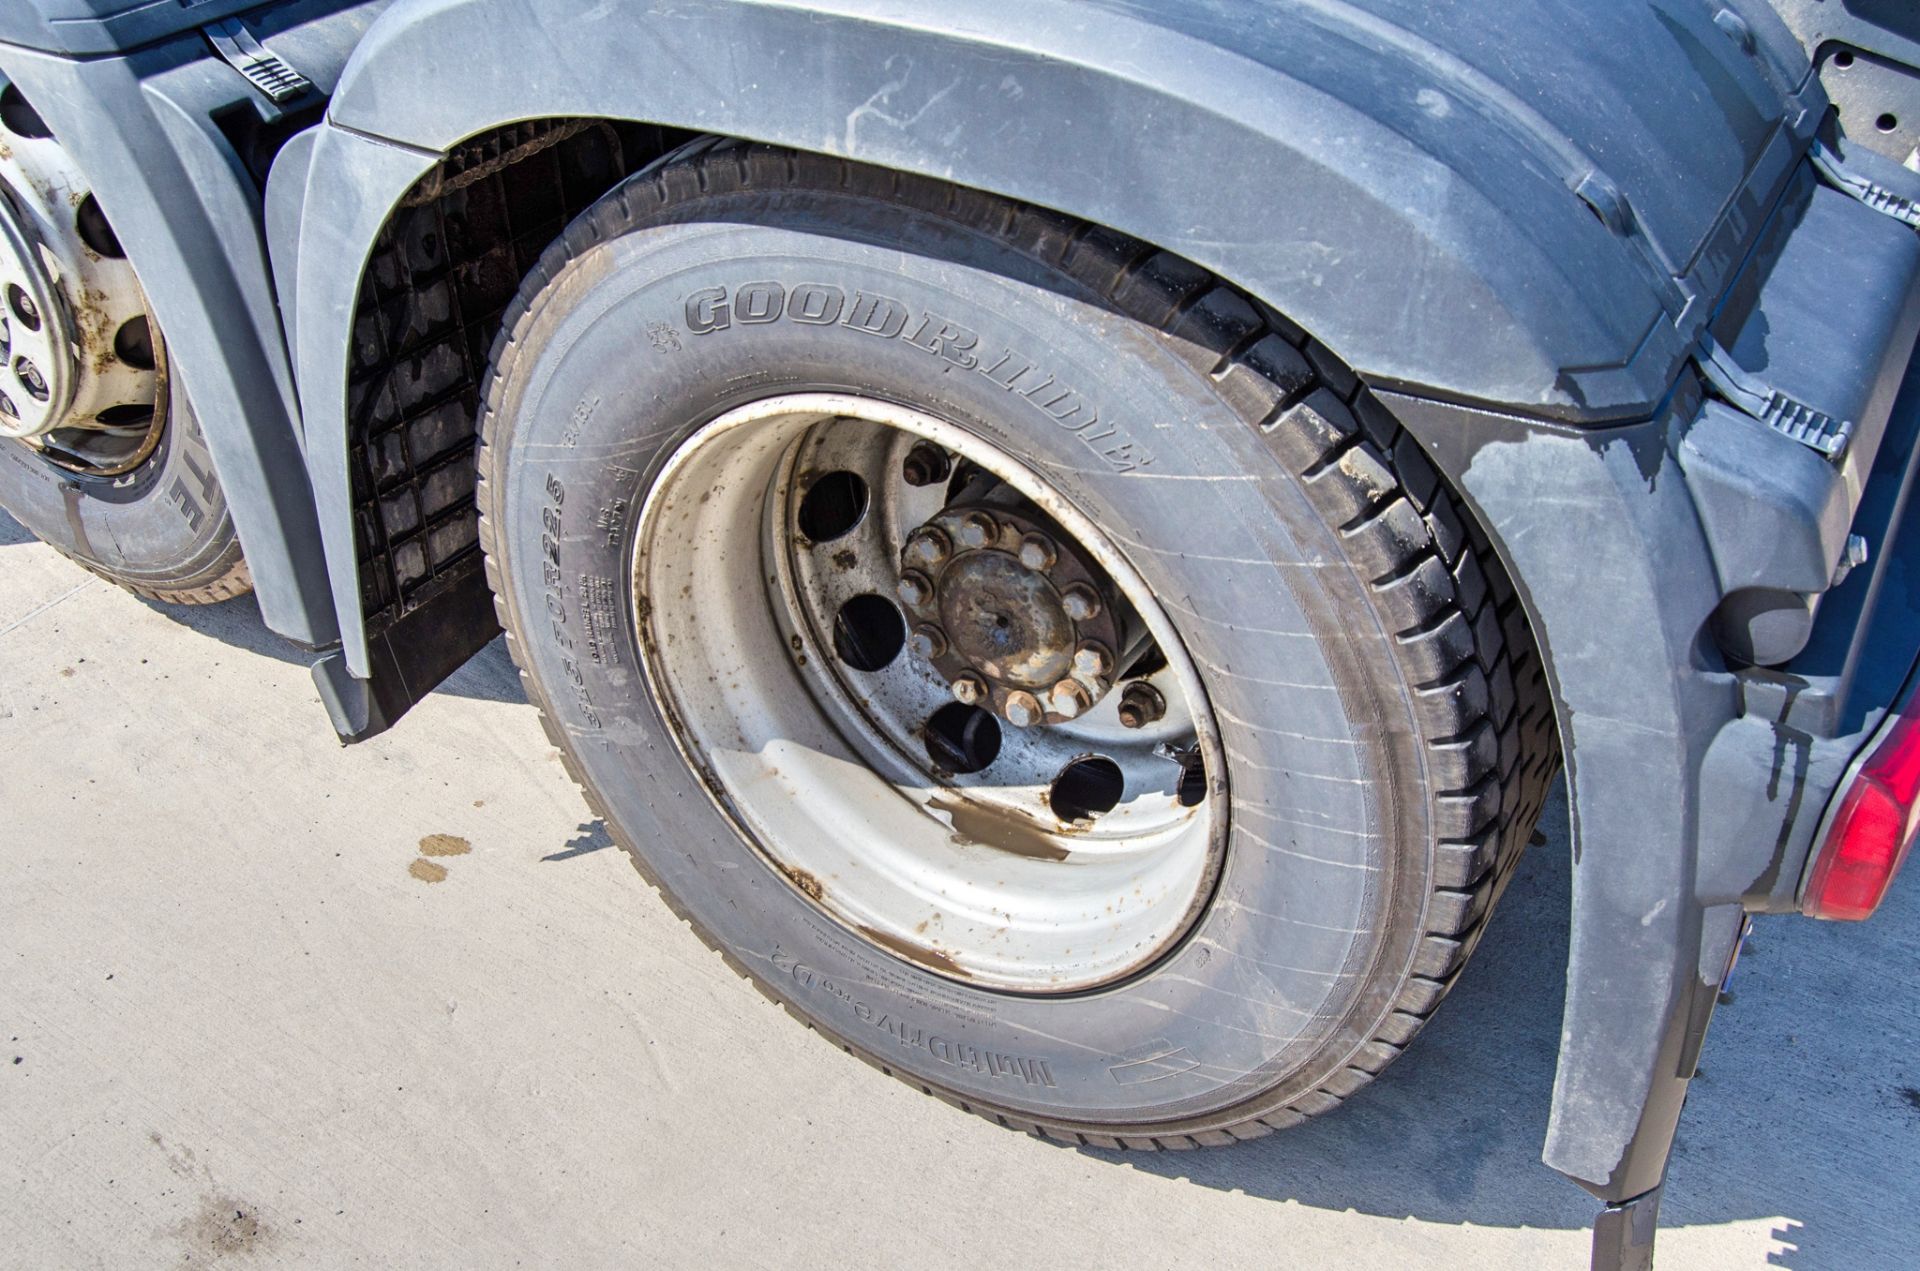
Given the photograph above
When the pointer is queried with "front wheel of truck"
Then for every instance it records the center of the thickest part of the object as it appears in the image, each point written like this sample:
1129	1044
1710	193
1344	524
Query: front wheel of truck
1030	662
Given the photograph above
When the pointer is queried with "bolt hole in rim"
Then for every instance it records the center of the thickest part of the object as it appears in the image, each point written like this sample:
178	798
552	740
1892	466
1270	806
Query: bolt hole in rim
962	739
1085	788
1056	857
91	224
20	118
29	378
868	633
133	343
833	506
24	310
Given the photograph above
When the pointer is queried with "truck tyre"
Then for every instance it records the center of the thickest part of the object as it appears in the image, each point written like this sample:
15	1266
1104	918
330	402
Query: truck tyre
161	531
1029	661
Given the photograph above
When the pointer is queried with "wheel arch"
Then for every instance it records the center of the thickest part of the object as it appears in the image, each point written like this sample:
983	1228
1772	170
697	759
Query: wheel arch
1159	131
1320	192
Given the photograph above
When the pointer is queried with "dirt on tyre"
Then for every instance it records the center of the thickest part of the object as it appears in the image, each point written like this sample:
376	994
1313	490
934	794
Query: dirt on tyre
1034	664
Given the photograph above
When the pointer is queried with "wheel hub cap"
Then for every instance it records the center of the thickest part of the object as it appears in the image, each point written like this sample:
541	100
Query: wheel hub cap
1010	611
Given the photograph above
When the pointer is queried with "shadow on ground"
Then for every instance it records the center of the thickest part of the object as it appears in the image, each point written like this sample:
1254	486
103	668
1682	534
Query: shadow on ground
1801	1110
12	533
489	676
592	837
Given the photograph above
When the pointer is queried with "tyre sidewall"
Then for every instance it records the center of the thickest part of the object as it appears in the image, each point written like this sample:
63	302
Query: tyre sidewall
1318	908
164	525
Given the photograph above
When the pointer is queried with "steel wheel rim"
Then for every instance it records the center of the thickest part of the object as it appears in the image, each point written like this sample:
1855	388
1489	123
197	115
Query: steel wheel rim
83	373
839	775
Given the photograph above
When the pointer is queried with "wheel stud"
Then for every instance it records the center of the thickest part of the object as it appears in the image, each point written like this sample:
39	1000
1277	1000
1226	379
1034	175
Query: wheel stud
1037	553
1023	710
1141	705
927	642
928	547
1080	602
970	689
1069	698
925	464
978	530
914	589
1091	661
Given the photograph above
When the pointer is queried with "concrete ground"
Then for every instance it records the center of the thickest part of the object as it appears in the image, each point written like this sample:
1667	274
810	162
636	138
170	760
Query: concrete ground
247	1019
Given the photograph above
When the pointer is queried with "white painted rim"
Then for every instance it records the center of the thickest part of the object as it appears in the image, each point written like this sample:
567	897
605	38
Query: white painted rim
824	768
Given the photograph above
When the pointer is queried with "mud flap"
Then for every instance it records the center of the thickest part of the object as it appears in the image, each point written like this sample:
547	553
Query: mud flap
409	656
1637	712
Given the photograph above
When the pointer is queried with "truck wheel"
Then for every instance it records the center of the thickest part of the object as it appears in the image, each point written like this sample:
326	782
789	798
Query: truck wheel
1028	661
100	456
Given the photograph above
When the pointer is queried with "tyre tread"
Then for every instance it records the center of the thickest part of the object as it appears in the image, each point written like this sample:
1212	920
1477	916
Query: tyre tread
231	582
1463	643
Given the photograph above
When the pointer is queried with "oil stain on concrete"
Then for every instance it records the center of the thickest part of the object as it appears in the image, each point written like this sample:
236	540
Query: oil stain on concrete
444	845
426	871
437	845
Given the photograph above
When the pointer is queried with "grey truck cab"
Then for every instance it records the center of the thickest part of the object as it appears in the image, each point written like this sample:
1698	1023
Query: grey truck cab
1069	538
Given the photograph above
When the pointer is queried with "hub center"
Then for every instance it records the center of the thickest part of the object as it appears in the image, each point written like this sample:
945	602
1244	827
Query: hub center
1005	620
1010	610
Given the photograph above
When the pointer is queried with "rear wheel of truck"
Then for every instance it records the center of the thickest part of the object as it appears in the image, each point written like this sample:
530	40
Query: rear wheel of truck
100	455
1030	662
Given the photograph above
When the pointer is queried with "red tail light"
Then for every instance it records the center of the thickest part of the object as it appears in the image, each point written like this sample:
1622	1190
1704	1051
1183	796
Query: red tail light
1878	818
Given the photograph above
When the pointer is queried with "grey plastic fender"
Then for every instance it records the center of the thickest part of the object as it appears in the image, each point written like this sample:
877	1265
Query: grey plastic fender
1371	169
1357	171
1637	712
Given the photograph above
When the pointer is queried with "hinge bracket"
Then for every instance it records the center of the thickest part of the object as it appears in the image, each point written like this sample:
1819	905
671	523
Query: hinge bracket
264	69
1878	197
1754	397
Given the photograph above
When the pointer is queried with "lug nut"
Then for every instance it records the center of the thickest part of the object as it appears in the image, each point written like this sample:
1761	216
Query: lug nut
977	530
1037	554
914	589
1081	602
928	547
970	689
1069	698
1023	710
1091	661
927	642
1141	705
926	464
